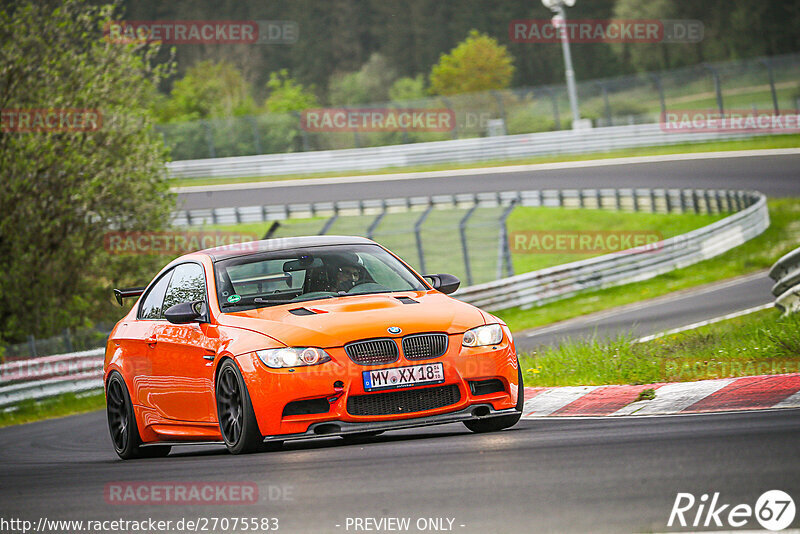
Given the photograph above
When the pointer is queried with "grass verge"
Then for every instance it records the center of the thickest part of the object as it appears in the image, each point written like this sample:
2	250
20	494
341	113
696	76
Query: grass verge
761	343
764	142
59	406
759	253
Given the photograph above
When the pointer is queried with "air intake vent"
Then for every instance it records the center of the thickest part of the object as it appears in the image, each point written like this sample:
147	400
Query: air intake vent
406	401
372	351
424	346
302	311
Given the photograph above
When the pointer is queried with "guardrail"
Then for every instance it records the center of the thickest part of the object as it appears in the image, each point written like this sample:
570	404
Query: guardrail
48	376
507	147
546	285
38	378
786	273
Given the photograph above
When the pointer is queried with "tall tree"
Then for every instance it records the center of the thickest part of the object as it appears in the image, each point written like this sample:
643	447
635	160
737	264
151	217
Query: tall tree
66	184
479	63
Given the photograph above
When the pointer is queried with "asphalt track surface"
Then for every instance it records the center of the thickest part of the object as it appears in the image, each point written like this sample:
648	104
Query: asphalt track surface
657	315
775	176
544	475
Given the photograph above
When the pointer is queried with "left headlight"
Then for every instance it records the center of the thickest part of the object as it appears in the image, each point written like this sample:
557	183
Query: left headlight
292	357
490	334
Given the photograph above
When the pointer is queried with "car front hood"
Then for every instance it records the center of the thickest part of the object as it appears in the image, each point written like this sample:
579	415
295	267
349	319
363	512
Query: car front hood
334	322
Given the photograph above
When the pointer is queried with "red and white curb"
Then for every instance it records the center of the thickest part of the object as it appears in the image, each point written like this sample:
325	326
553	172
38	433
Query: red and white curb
722	395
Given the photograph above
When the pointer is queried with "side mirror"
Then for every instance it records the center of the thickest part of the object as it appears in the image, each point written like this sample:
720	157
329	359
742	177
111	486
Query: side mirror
446	283
186	312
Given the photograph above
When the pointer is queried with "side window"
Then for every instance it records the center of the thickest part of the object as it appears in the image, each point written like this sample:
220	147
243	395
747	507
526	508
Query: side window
152	306
188	284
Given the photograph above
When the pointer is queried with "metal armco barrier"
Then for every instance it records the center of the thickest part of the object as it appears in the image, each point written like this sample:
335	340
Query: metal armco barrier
786	273
456	151
44	377
38	378
562	281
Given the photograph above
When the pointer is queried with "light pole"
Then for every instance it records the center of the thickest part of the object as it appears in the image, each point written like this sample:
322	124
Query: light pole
560	21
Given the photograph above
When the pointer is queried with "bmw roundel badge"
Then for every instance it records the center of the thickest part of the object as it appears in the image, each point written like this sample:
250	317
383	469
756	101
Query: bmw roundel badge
394	329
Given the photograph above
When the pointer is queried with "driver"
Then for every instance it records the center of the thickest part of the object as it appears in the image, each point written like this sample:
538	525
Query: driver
347	271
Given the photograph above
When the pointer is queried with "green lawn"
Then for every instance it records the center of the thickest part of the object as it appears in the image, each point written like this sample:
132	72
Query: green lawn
755	344
59	406
763	142
781	237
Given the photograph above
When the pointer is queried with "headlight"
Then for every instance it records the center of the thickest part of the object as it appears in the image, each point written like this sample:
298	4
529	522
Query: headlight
490	334
292	357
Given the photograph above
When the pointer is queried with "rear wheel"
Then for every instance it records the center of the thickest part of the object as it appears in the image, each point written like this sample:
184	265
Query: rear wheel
237	421
122	423
494	424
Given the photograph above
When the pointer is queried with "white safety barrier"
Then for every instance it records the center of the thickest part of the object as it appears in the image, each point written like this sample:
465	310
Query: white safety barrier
501	148
562	281
786	273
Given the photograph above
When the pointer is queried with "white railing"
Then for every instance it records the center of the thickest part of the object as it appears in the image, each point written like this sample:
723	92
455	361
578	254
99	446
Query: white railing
38	378
786	273
562	281
502	148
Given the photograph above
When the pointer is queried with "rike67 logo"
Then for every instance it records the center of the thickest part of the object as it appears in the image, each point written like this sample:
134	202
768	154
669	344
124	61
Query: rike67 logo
774	510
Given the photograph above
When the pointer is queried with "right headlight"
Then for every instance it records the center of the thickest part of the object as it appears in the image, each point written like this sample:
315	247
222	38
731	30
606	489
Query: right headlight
490	334
292	357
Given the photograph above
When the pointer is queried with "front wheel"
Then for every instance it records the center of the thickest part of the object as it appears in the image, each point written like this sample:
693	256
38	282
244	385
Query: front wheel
237	421
122	423
494	424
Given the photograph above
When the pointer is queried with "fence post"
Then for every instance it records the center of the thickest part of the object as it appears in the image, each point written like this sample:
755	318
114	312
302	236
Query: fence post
256	139
327	226
67	340
418	235
210	140
606	103
717	86
554	99
462	230
504	254
499	98
657	81
32	346
450	107
374	224
767	64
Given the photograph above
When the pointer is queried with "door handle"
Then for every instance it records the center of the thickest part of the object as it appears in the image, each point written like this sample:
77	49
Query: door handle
152	340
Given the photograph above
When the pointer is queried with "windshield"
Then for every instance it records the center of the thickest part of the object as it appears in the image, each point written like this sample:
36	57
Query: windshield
310	274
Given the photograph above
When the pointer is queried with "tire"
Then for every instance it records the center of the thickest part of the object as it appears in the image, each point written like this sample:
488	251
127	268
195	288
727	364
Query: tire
237	421
122	423
493	424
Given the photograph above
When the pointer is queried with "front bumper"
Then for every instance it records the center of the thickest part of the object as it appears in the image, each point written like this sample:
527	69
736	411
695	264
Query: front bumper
337	381
343	428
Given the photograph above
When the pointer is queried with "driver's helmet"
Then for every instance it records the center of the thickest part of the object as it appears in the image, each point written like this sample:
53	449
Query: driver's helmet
347	269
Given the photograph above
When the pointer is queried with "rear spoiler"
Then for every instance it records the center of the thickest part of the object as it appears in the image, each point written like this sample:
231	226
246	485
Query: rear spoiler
120	294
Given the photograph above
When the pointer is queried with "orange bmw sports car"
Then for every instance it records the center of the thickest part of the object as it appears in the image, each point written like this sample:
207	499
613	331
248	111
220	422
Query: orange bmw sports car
258	343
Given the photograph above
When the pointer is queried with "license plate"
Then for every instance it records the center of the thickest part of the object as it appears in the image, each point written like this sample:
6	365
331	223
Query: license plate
403	377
